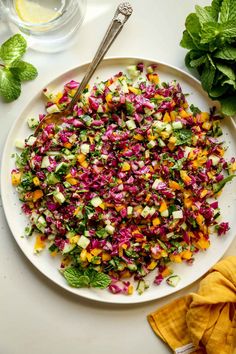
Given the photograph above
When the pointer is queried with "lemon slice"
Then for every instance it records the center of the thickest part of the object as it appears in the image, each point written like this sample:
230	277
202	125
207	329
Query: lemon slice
32	12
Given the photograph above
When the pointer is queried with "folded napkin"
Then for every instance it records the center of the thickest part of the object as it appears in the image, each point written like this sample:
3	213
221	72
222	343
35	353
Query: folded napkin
202	322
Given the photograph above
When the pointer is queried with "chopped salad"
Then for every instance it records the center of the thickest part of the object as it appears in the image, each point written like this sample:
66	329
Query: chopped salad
127	185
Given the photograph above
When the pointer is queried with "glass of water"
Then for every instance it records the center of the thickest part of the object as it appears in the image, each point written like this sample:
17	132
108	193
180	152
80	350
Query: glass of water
47	25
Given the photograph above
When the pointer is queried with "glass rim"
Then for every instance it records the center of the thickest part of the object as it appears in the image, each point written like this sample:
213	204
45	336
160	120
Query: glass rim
19	22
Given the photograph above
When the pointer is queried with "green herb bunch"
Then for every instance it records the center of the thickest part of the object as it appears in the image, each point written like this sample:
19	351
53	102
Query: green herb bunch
13	70
210	36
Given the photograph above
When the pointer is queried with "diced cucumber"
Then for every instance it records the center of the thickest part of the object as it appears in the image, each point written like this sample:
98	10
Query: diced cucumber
177	125
168	128
20	144
133	71
31	140
215	159
155	183
45	162
151	144
130	210
53	109
165	213
59	197
85	148
110	229
145	212
178	214
96	201
33	122
83	242
173	280
130	124
68	247
87	233
161	142
152	211
159	125
132	266
41	224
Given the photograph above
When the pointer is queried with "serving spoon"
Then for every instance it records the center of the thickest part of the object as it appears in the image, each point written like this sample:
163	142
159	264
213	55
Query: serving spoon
123	12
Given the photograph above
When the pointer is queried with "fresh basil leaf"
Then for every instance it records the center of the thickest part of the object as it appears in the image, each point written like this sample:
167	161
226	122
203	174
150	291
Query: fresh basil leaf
25	71
226	70
184	136
204	15
75	278
227	53
228	105
187	41
10	86
13	49
228	11
218	186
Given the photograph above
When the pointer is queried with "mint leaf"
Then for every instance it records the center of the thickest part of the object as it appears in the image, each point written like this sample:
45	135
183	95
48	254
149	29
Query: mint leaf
13	49
227	53
10	86
226	70
75	278
228	11
209	32
187	41
228	105
197	62
216	5
229	82
217	91
218	186
207	76
204	15
99	280
228	30
193	27
25	71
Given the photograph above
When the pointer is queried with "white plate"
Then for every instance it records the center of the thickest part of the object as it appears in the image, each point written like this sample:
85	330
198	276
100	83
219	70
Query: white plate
48	265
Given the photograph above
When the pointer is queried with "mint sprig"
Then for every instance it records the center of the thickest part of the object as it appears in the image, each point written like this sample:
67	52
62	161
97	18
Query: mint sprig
210	37
13	70
79	278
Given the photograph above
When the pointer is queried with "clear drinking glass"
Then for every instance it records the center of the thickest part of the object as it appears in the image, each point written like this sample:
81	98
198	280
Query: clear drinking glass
47	25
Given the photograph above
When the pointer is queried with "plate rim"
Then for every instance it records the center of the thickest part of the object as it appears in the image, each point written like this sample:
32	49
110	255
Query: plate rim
4	198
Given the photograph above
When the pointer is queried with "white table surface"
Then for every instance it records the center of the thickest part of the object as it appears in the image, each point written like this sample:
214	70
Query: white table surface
36	316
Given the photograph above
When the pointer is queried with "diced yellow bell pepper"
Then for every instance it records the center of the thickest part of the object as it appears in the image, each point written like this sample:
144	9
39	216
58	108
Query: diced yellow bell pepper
96	251
166	118
152	265
16	178
81	158
37	195
156	221
163	206
125	167
138	137
36	181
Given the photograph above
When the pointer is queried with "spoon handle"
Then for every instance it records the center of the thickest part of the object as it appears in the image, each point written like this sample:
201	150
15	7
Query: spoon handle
123	12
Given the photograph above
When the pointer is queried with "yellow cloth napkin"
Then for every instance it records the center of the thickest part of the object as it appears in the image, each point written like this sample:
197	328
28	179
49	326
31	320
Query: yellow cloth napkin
202	322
